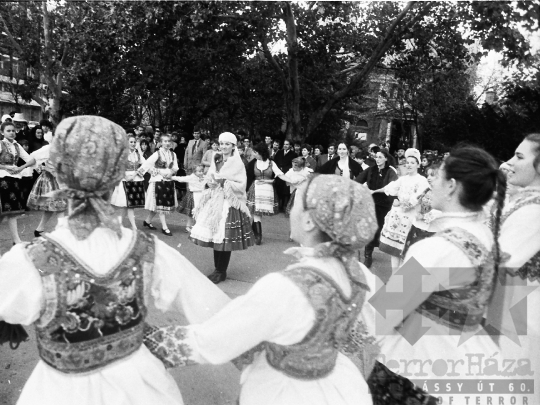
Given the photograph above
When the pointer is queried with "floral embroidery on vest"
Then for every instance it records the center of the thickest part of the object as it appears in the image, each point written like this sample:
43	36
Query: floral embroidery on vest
315	356
89	321
462	308
161	162
6	157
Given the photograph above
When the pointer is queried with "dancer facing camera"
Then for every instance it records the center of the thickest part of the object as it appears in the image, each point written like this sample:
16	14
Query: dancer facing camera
12	198
262	198
130	193
222	218
291	340
86	285
160	196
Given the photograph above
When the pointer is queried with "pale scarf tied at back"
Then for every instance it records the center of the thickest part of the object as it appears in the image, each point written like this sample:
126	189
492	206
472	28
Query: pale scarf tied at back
344	210
88	156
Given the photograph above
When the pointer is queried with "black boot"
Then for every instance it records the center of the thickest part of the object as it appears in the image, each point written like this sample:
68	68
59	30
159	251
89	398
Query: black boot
221	263
368	259
258	233
217	276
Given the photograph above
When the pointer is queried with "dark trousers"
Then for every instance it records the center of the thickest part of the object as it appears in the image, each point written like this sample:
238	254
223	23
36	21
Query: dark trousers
221	260
380	212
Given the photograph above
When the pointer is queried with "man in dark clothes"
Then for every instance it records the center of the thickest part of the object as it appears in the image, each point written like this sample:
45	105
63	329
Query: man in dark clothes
283	159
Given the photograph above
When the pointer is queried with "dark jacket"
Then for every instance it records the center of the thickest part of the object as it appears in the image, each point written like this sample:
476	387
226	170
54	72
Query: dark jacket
284	161
376	179
331	166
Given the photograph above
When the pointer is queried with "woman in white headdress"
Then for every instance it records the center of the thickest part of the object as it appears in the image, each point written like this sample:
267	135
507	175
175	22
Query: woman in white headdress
223	218
409	189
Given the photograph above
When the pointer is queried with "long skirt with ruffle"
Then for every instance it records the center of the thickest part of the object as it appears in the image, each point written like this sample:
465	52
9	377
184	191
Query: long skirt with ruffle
262	199
37	199
233	232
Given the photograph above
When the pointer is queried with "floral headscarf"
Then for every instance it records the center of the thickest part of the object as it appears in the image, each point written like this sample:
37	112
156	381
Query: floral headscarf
344	210
89	156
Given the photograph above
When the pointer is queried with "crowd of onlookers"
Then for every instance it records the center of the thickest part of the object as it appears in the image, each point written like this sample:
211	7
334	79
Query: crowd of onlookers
200	149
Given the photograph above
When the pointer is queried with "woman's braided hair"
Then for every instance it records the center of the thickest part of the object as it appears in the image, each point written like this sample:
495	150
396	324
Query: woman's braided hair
478	173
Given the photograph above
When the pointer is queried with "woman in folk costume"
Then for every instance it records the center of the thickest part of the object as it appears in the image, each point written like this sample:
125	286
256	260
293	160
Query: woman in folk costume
514	312
423	225
12	201
130	193
39	198
408	189
223	219
160	196
262	198
86	286
375	178
288	330
297	175
446	285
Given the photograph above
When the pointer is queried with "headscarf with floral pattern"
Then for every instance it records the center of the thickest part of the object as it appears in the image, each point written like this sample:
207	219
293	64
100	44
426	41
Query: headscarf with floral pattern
344	210
88	156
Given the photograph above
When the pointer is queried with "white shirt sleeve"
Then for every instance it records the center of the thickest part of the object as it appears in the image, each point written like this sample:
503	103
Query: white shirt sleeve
277	171
520	236
24	154
392	188
177	284
274	310
21	292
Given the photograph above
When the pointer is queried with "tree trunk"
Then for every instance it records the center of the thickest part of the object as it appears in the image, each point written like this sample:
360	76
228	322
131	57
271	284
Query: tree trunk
293	97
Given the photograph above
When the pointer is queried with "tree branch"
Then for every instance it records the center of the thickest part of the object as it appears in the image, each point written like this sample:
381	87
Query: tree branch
387	38
10	37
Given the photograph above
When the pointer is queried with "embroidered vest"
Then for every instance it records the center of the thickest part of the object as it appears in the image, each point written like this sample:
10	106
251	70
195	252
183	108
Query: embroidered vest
315	356
162	164
266	174
6	158
531	269
462	308
134	166
90	321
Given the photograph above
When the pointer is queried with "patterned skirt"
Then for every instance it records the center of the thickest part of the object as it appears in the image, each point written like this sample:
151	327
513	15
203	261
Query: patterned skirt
11	196
234	231
161	197
129	194
389	388
262	199
43	185
415	235
187	204
397	225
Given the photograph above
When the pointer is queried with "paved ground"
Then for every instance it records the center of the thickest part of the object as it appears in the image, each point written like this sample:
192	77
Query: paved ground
200	385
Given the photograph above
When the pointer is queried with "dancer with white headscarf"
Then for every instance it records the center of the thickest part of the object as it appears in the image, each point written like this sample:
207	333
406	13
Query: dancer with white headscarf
223	219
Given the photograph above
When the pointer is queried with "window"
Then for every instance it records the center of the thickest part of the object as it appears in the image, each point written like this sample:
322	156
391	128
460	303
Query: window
362	123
